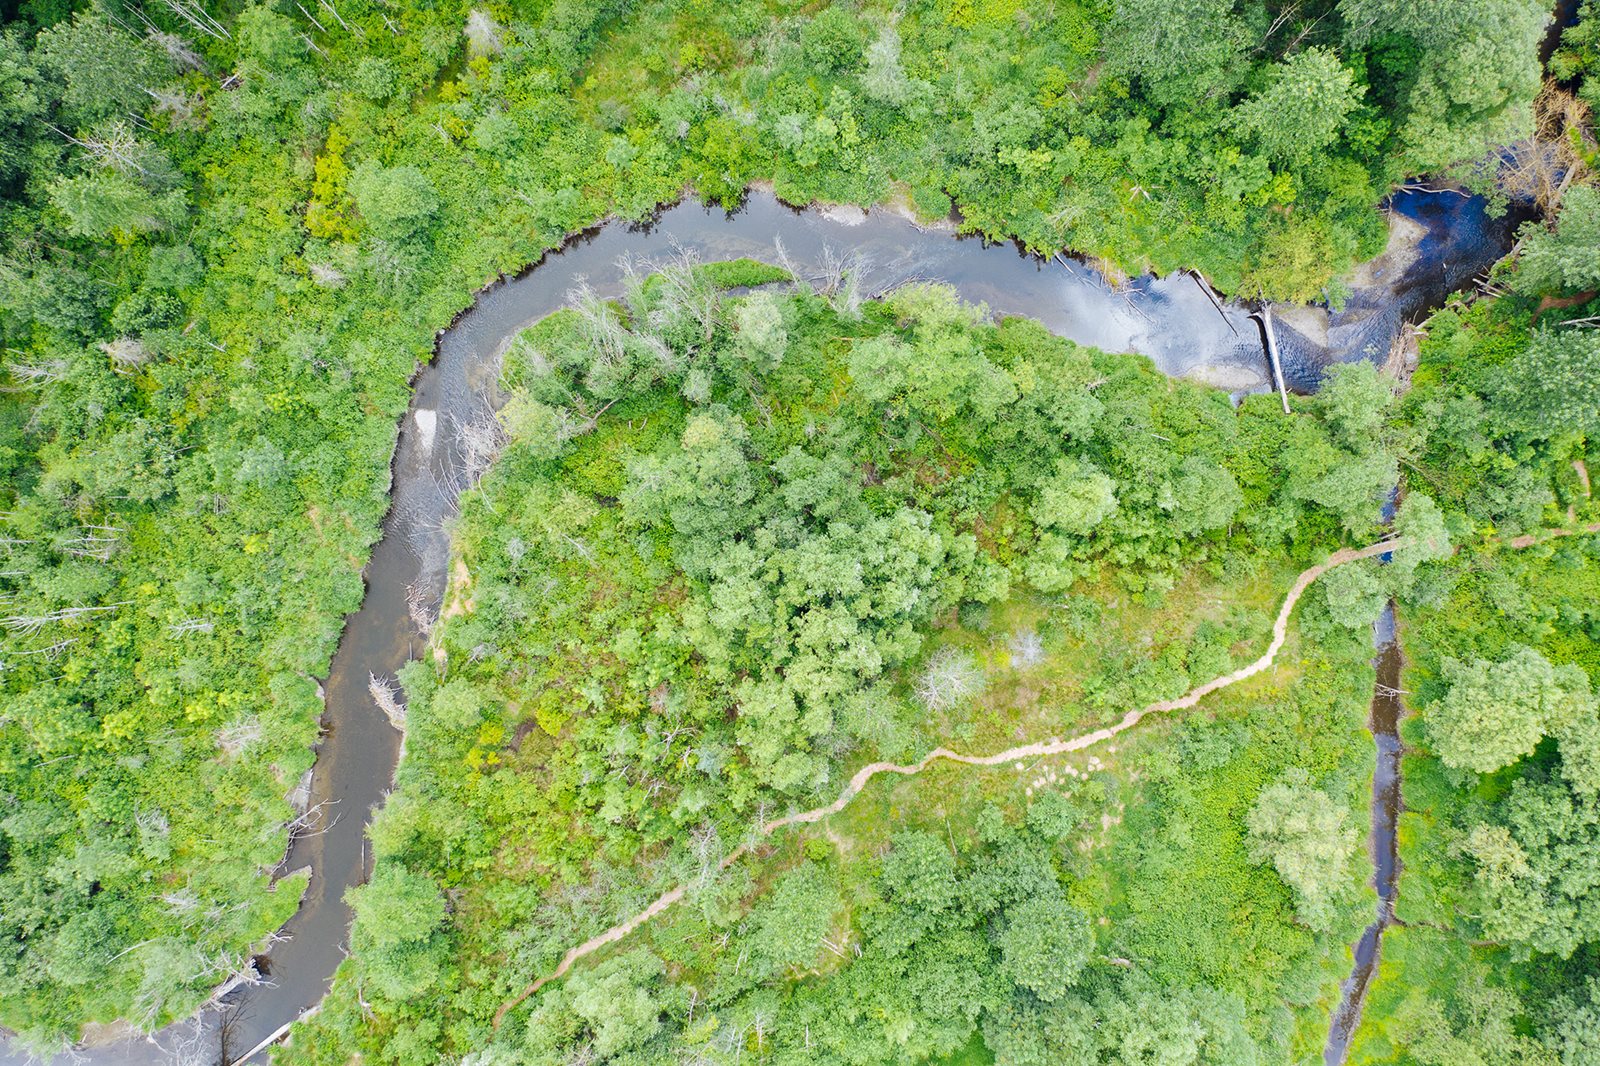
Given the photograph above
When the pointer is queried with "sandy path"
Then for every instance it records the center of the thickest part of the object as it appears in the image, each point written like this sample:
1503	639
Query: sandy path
1280	633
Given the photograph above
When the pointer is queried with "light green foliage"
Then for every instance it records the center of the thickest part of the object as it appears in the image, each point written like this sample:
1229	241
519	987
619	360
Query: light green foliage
1045	945
613	1008
102	203
1356	593
1076	499
1533	863
1474	1027
1303	108
394	201
1494	712
1355	398
1135	1020
1309	841
1350	470
791	923
1420	523
397	931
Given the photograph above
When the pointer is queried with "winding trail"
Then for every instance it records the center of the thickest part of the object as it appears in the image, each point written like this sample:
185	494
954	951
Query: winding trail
1280	633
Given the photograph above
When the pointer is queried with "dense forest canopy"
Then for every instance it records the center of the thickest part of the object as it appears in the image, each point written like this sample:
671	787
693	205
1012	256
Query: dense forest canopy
228	234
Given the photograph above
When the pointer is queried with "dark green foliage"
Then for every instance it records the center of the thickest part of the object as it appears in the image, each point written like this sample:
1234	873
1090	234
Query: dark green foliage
1465	71
1553	387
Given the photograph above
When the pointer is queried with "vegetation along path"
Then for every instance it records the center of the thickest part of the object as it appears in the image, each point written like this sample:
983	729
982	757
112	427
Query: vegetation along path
1280	632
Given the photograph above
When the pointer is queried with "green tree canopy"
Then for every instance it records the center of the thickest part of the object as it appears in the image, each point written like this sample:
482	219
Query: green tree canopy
1566	258
1494	712
1045	945
1303	108
1552	387
394	201
1308	838
397	930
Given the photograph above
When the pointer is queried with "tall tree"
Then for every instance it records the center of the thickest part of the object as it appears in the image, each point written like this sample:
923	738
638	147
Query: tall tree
1309	840
1469	81
1494	712
1303	108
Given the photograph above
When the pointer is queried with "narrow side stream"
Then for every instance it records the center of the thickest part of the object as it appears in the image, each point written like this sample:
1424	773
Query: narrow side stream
1384	721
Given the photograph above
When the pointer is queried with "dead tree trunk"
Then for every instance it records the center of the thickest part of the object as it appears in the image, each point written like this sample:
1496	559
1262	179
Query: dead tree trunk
1272	355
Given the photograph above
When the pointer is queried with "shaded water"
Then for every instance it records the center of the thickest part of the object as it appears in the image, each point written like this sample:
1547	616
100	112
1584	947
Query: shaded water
1455	241
1172	320
1383	720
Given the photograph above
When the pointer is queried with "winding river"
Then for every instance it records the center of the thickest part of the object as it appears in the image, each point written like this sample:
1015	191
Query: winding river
1173	320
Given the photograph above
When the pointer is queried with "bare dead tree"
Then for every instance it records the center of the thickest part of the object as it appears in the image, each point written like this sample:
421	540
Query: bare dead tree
950	677
309	822
326	276
310	16
178	50
180	901
841	280
92	542
482	33
424	613
29	624
239	735
113	146
357	30
1026	648
50	651
480	439
1543	167
705	845
196	15
798	279
35	375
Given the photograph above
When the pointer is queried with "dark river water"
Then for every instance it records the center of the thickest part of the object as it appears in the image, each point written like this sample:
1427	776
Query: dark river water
1173	320
1384	722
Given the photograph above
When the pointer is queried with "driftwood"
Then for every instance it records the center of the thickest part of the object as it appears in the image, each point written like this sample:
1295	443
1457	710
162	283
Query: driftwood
1205	287
1272	354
